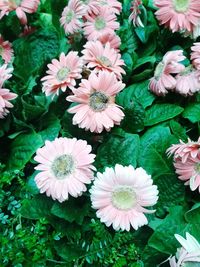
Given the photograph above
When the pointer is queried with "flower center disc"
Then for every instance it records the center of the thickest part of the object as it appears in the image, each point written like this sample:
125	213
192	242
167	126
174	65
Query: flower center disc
62	166
124	198
100	23
69	16
98	101
104	61
62	74
159	70
181	6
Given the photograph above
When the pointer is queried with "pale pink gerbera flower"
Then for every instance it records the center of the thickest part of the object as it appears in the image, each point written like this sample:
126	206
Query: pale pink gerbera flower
5	73
104	22
101	57
62	73
188	81
5	97
135	13
111	38
188	254
113	5
6	50
163	79
65	167
96	107
120	196
21	7
72	15
195	55
178	15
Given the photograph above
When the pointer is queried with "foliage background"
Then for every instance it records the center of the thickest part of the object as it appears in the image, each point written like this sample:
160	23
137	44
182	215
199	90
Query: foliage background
36	231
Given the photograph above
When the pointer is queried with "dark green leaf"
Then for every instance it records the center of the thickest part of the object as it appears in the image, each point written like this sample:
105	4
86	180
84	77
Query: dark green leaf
192	113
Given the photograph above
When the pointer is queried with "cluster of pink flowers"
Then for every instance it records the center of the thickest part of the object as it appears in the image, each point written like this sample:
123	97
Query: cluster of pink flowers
171	75
187	162
5	94
95	108
182	16
21	7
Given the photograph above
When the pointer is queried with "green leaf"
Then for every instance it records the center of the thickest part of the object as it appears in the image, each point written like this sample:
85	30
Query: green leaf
161	112
193	215
72	209
178	130
192	113
37	207
22	149
121	150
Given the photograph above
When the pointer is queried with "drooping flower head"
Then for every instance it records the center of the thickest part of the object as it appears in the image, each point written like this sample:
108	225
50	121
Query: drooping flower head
62	73
20	6
6	50
163	79
101	23
113	39
96	109
188	255
101	57
71	18
187	162
135	13
178	15
188	81
121	195
195	55
5	73
65	167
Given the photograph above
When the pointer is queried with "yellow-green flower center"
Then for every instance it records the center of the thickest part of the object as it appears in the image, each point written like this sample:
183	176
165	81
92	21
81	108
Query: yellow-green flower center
98	101
181	6
69	16
62	74
104	61
124	198
62	166
100	23
159	70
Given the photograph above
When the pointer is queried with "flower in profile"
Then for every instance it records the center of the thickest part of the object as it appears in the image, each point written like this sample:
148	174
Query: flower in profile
101	23
113	39
187	162
5	73
135	13
187	81
113	5
71	18
195	55
188	255
6	51
163	79
101	57
65	167
62	73
121	195
178	15
96	107
5	97
20	6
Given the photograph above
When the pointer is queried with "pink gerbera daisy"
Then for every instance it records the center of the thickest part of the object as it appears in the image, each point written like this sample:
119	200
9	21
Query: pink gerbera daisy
72	15
101	57
62	73
5	97
178	15
187	81
135	13
65	167
96	107
113	39
20	6
103	22
188	254
6	50
113	5
163	79
195	55
5	73
120	196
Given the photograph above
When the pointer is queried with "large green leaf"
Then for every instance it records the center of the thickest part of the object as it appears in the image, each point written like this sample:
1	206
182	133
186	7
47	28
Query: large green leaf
22	149
192	112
